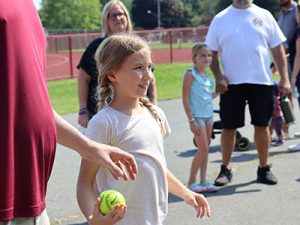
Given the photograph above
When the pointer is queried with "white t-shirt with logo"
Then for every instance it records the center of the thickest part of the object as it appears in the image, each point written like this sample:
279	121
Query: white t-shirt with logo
244	38
140	135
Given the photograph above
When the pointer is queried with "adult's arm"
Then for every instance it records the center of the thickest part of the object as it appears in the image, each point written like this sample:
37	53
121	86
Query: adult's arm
281	63
104	155
221	81
296	67
83	89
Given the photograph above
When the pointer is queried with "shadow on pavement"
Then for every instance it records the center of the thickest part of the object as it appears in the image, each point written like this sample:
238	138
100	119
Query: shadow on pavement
233	189
226	190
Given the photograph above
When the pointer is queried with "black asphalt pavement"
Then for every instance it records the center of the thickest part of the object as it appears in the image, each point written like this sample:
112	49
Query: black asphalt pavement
242	202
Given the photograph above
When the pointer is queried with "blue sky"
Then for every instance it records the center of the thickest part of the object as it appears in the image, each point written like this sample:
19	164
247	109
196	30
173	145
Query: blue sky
37	3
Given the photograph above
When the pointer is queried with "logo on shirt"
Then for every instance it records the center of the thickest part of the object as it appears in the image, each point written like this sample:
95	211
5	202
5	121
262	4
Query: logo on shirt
258	22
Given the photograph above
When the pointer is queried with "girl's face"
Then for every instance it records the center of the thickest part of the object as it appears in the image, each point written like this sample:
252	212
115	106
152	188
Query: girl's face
134	76
117	20
203	58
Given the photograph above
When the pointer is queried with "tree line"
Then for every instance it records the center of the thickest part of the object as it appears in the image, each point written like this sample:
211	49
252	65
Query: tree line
82	15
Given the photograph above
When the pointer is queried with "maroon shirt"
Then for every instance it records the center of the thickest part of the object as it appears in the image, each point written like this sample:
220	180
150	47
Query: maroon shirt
27	125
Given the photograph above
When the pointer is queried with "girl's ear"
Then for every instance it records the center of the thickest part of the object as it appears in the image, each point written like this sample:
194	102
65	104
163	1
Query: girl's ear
112	76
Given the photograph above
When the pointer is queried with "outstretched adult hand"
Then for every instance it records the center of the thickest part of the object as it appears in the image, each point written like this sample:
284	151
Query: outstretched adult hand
119	163
116	160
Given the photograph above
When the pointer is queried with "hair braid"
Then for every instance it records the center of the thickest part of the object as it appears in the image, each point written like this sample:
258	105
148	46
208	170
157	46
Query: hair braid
149	105
104	91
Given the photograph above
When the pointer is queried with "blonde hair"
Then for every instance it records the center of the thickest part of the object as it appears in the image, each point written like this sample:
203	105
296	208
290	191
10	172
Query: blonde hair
110	55
105	14
197	47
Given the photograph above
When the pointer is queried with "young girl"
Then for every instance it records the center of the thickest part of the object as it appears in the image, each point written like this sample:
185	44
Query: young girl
277	118
128	120
197	103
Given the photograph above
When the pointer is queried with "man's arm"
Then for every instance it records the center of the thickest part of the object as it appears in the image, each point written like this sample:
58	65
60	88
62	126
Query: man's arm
105	155
296	67
221	82
281	63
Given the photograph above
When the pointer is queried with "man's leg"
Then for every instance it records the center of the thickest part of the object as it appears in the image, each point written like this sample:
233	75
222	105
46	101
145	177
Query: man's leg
262	141
227	145
232	109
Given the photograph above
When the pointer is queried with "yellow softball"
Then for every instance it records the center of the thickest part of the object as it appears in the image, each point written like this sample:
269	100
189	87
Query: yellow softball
109	199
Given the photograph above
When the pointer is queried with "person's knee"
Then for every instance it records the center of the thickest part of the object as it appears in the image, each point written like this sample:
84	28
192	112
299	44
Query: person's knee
229	132
261	128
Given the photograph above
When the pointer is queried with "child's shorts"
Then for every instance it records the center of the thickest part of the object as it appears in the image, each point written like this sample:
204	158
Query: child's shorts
203	122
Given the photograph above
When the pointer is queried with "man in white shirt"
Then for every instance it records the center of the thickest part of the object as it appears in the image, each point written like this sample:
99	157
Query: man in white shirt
244	34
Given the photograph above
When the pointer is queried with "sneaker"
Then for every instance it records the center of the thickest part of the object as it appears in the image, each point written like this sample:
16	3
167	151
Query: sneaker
265	176
210	187
297	134
196	187
224	177
287	136
278	143
295	147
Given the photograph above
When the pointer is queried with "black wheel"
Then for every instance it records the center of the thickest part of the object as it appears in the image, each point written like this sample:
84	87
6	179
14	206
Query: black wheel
238	135
242	144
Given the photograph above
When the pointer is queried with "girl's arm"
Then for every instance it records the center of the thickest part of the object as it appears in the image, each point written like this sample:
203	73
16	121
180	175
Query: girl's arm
86	195
186	87
197	201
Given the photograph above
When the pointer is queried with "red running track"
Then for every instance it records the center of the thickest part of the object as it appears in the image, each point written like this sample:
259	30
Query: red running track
59	65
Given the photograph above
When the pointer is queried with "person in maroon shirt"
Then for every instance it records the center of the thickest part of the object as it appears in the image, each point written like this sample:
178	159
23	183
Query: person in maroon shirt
29	127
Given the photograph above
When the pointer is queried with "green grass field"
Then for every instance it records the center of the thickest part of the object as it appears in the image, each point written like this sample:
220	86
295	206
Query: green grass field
63	93
187	45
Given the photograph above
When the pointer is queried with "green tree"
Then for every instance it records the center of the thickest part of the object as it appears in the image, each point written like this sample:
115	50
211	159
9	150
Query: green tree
271	5
127	3
70	15
144	13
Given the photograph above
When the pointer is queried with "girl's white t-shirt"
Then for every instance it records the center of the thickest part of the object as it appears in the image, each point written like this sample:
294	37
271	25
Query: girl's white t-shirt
140	135
244	38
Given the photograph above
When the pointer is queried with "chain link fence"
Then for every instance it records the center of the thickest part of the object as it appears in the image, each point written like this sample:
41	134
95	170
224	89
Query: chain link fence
168	46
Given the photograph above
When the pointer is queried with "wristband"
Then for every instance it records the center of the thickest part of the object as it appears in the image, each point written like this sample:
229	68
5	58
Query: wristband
83	111
192	120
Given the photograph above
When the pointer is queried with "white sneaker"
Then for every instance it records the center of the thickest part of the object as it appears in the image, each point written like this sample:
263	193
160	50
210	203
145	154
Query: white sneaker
196	187
210	187
287	136
295	147
297	134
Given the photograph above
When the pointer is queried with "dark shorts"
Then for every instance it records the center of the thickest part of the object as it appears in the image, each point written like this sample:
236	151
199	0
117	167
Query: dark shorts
233	102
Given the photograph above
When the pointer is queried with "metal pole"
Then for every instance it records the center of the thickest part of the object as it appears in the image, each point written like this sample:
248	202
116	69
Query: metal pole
158	14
